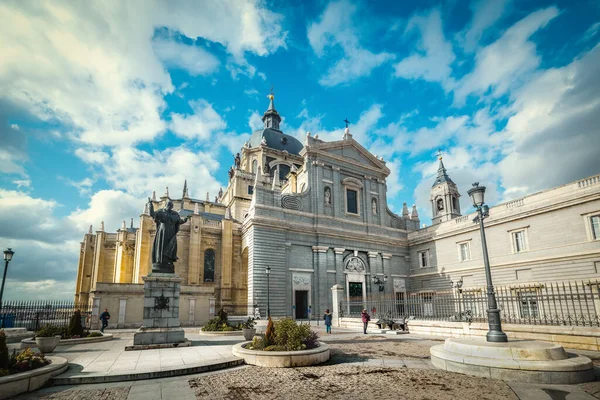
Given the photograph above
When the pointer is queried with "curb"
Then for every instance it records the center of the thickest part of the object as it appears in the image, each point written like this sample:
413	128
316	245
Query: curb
122	376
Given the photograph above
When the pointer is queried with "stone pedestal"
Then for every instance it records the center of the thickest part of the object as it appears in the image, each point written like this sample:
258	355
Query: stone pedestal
161	314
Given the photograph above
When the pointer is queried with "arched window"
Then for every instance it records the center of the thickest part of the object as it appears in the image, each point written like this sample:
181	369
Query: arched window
209	265
254	166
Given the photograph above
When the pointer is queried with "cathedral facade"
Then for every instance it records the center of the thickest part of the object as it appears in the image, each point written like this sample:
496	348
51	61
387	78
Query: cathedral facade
298	218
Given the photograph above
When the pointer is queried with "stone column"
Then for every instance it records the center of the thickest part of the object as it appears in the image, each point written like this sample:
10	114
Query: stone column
340	279
122	312
387	269
337	194
320	274
337	293
192	311
374	270
195	251
226	260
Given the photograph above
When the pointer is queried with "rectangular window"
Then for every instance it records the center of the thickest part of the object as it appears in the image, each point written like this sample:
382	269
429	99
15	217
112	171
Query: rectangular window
250	189
464	251
351	201
528	304
595	221
519	241
424	259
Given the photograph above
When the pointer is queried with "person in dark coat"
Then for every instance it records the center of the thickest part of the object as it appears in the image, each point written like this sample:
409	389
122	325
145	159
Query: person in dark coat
104	317
365	319
328	317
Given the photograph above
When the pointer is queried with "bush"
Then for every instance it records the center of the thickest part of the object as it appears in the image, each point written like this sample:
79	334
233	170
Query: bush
95	334
75	328
290	335
258	343
270	333
3	351
249	324
219	323
275	347
51	331
26	361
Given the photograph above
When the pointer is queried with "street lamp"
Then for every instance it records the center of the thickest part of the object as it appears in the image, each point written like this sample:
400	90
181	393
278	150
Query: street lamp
458	286
268	271
495	333
8	255
377	280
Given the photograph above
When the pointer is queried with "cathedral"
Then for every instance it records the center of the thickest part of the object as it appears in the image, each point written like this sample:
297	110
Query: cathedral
297	219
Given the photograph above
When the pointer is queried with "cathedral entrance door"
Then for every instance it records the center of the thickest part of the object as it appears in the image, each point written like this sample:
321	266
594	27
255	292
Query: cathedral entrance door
356	296
301	304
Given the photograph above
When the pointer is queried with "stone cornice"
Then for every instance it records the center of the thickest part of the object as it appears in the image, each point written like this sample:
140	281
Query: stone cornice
320	249
339	250
386	256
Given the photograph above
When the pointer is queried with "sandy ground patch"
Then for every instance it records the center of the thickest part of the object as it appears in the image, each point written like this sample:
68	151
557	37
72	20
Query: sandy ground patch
378	346
347	382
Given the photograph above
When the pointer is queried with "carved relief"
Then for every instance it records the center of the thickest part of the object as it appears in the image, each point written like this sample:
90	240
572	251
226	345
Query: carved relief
355	264
291	202
301	280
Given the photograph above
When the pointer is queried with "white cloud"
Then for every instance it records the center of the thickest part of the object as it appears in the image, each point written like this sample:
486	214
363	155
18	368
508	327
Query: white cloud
84	186
91	156
485	14
91	65
194	59
15	127
202	124
334	28
435	57
255	121
22	183
109	206
508	61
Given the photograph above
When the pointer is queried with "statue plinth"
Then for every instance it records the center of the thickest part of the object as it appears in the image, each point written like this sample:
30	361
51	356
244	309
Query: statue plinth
161	314
165	267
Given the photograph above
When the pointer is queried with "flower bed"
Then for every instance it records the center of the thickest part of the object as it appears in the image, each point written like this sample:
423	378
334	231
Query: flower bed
28	381
285	344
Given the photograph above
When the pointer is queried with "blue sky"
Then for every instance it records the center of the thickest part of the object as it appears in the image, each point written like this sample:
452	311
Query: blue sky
103	102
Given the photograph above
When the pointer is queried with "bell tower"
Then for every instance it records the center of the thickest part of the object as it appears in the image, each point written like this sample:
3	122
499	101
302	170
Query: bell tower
444	197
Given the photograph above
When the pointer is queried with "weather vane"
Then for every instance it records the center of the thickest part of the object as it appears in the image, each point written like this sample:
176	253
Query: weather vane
271	93
347	122
439	154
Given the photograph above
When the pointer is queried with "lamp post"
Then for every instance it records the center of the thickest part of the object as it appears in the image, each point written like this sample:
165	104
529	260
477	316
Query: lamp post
495	333
268	272
458	286
8	255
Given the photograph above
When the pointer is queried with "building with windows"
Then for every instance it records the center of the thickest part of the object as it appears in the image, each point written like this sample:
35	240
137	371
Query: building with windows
316	214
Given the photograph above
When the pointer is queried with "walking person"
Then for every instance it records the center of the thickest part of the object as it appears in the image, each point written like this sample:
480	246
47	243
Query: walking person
328	317
104	317
365	319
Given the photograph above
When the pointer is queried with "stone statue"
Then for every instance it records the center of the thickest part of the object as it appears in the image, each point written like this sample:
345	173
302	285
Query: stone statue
231	172
164	249
220	193
327	195
237	161
374	206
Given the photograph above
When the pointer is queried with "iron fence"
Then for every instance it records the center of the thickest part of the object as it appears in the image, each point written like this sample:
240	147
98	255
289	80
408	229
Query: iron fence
556	303
33	315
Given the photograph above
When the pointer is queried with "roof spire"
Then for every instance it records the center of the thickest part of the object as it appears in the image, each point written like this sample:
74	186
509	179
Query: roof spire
185	189
131	222
153	195
90	231
102	226
442	175
271	117
347	134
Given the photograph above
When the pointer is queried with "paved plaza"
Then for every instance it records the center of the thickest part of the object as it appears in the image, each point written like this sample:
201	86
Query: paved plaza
361	367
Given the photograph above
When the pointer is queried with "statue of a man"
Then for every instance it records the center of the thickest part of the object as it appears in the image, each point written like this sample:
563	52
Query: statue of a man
164	249
237	161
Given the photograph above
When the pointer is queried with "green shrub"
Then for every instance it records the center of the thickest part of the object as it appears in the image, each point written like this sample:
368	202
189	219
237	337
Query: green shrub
3	351
258	343
218	325
292	336
51	331
95	334
249	324
75	328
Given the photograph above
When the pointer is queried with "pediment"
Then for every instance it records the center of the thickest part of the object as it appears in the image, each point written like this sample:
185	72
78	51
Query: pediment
352	151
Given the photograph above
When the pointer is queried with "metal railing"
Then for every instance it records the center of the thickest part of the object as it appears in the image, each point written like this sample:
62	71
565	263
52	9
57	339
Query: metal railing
33	315
556	303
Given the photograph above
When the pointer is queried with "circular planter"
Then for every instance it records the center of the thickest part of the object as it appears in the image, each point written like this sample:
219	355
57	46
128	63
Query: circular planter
12	385
220	333
282	359
47	344
249	333
27	343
